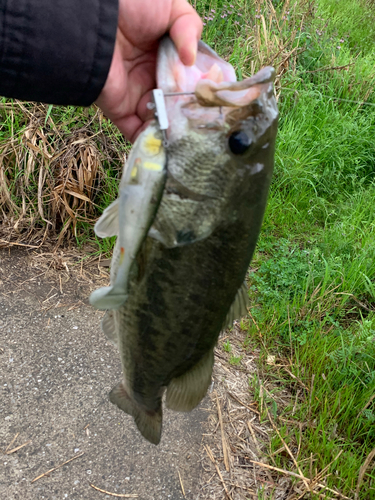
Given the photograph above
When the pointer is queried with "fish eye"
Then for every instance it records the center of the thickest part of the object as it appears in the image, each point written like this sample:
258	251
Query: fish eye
239	142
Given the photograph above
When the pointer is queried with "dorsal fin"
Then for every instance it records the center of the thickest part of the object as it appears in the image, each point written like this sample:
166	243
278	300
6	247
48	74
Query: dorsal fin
239	307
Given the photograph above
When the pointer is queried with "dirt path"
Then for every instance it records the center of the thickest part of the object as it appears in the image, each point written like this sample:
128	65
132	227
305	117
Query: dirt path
56	370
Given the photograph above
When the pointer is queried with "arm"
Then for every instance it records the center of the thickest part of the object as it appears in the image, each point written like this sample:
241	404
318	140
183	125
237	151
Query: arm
56	51
79	51
133	73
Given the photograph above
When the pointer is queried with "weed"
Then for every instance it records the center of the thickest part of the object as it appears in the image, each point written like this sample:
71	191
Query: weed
60	169
235	360
312	281
227	346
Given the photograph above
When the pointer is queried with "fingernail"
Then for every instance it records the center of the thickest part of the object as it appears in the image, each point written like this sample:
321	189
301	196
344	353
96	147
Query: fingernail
194	55
190	55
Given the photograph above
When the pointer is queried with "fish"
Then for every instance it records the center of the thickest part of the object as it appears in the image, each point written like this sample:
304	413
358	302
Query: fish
140	191
190	208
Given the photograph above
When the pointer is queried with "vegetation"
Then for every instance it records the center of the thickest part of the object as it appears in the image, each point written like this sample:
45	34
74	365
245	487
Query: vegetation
60	168
312	281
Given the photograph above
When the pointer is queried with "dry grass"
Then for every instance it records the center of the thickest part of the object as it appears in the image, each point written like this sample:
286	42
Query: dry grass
51	176
238	461
237	435
274	39
53	173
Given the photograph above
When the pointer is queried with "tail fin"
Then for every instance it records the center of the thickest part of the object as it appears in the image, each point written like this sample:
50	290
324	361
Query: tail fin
108	297
149	423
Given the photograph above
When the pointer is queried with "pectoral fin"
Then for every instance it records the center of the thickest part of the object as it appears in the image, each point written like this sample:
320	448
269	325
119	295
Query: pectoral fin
179	223
239	307
149	423
186	392
107	225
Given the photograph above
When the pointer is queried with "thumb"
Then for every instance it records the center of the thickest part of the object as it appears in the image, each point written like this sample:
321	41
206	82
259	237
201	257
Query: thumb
185	29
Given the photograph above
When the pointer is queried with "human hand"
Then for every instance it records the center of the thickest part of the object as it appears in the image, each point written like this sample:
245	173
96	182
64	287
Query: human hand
133	69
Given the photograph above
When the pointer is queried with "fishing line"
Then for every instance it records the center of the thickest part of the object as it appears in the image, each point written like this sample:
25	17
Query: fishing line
340	99
350	101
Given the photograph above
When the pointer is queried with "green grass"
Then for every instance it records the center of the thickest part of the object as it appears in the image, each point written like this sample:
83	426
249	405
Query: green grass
312	283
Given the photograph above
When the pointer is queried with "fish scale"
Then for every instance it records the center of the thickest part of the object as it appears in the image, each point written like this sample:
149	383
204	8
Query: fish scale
175	340
185	282
197	170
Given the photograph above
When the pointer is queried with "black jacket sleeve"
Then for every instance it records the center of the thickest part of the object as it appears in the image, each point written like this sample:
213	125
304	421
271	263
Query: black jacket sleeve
56	51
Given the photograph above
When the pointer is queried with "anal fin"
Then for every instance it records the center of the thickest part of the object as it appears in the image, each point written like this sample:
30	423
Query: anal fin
185	392
239	307
149	423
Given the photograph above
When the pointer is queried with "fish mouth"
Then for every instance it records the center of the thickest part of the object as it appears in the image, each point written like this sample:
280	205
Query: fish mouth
211	80
236	94
207	98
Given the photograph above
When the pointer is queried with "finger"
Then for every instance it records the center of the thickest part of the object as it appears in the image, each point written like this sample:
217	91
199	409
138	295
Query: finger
144	111
131	126
185	29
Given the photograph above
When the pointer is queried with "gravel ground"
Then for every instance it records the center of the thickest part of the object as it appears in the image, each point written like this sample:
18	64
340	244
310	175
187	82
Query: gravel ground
56	369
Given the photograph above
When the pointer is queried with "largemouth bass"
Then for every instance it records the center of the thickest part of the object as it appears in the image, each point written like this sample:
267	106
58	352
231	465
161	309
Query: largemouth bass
187	219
